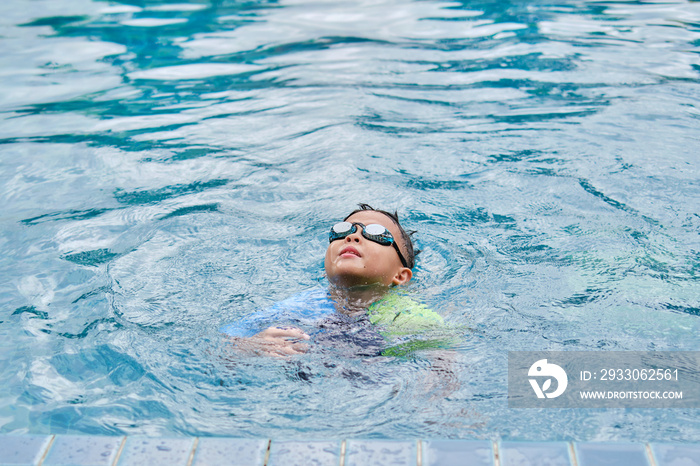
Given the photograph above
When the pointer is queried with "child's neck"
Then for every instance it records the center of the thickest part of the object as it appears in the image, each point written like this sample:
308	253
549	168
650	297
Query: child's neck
356	299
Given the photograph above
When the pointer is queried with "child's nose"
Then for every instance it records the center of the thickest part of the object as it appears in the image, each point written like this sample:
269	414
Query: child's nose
353	237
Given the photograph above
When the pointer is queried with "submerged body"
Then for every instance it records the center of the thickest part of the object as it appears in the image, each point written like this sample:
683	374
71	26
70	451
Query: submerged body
393	320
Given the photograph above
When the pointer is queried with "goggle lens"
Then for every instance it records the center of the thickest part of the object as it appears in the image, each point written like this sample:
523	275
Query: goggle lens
376	230
343	228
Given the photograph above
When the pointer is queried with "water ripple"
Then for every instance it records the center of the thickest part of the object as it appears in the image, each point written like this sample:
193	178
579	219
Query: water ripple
180	166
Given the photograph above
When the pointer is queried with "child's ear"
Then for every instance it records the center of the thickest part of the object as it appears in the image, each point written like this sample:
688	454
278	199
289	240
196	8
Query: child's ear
403	276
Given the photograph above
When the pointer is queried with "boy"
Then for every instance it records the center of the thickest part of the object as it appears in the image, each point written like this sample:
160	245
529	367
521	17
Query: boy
369	254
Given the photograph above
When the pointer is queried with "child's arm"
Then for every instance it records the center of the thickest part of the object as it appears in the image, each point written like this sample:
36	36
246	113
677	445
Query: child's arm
257	333
274	341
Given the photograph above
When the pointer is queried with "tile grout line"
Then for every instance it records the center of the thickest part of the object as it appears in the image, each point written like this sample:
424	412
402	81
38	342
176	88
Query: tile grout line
119	451
343	447
496	456
650	455
195	444
46	451
572	454
267	452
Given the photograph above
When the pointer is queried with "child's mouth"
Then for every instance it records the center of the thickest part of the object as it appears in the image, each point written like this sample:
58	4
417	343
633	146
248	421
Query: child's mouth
349	251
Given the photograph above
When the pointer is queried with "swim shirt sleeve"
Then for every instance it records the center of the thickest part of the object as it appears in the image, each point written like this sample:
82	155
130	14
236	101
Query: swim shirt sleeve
399	315
301	310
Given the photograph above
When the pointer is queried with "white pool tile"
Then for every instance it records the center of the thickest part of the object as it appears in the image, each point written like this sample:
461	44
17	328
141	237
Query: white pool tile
83	450
457	453
230	451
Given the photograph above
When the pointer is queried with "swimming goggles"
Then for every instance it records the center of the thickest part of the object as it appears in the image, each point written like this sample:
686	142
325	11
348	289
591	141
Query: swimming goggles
373	232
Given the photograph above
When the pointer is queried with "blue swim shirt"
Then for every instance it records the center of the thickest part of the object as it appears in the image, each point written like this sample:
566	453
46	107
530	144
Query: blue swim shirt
303	310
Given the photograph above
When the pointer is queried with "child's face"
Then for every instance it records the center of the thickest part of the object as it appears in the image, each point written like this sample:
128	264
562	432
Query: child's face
355	260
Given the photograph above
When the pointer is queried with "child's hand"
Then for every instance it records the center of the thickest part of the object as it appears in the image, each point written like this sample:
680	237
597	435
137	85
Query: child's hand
275	341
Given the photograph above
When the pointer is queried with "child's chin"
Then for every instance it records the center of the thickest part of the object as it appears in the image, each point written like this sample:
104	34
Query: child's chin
349	280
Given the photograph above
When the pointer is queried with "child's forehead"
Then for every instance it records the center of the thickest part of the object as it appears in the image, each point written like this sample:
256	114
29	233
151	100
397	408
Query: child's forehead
372	216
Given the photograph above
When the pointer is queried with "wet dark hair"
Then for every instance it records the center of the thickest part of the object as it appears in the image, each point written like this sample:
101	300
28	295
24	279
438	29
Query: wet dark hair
405	236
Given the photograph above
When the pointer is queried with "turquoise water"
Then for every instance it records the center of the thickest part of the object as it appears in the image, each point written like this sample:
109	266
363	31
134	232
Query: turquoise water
166	168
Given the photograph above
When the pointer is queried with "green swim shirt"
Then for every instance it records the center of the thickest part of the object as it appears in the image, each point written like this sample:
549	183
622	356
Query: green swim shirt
412	326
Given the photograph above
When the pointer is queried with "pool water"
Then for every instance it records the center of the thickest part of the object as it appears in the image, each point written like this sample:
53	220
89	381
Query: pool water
167	168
